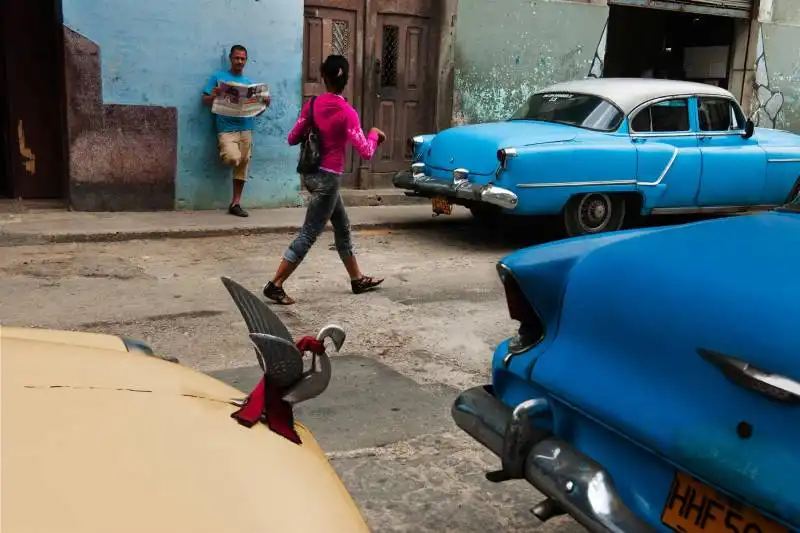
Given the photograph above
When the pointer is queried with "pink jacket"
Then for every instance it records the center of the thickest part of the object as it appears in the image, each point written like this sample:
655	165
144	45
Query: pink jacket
338	124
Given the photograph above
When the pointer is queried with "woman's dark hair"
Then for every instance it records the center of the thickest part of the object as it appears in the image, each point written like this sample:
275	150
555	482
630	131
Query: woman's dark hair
336	72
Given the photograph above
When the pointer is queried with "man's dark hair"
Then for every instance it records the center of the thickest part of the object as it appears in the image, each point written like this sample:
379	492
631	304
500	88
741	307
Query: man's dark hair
336	72
236	47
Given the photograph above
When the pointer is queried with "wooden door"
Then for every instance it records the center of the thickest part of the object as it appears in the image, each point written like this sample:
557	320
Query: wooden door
35	125
406	48
334	27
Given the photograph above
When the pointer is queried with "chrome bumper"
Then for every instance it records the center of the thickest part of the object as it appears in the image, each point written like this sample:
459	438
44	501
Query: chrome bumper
464	190
573	483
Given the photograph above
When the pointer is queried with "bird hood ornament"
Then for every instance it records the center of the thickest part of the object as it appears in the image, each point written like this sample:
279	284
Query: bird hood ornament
286	380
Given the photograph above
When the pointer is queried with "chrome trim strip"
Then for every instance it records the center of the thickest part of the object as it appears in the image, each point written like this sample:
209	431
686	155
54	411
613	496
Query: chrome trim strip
727	133
579	485
663	172
575	184
711	209
645	135
736	369
792	160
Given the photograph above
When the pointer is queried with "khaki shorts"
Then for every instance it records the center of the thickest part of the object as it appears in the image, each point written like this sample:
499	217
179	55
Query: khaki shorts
235	150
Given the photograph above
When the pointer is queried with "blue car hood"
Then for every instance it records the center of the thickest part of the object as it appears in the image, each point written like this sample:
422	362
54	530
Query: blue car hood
475	147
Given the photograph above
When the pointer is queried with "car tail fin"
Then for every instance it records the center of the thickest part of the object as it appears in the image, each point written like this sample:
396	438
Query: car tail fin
531	329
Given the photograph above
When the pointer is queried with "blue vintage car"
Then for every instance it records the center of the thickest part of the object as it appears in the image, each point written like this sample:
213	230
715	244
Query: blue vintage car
599	151
654	383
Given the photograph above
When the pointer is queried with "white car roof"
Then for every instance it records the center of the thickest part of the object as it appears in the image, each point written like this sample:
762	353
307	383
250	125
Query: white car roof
629	93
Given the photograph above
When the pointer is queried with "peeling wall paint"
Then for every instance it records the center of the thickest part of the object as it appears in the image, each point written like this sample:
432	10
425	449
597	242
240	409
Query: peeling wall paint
778	77
507	49
161	52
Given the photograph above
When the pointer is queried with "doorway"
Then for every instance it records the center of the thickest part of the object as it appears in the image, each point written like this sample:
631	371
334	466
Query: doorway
392	47
658	43
32	115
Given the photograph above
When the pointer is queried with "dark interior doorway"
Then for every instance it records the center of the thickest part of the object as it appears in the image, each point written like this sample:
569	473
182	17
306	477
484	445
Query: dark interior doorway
645	42
32	113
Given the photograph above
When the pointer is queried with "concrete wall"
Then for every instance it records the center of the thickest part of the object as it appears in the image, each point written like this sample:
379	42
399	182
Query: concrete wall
785	11
507	49
778	65
157	55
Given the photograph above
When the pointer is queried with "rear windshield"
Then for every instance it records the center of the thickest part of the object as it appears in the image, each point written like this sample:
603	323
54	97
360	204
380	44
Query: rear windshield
581	110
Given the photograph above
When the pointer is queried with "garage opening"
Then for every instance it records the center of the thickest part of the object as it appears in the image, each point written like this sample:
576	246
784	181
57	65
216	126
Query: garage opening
657	43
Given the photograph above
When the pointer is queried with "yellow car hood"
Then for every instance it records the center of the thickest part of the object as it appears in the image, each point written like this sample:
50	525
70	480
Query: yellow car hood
96	439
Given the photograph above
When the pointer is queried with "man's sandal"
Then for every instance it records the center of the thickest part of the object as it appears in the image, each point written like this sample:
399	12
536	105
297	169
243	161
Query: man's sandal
277	294
364	284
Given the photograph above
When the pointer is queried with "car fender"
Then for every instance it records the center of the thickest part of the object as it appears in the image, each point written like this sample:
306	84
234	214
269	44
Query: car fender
545	176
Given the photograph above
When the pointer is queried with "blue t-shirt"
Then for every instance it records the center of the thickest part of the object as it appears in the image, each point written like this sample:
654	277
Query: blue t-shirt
229	124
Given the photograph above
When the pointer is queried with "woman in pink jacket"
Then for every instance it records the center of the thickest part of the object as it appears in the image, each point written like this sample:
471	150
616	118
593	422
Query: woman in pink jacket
338	124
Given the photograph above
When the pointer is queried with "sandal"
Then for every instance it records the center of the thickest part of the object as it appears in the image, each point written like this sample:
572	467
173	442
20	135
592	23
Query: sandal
277	294
364	284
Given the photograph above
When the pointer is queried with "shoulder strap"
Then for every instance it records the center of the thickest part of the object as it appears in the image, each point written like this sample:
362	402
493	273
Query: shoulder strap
311	112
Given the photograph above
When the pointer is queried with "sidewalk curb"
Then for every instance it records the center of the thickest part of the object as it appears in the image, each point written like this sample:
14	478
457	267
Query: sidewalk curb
10	239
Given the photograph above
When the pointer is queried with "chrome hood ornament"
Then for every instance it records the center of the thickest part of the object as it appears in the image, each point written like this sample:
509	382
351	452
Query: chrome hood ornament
279	357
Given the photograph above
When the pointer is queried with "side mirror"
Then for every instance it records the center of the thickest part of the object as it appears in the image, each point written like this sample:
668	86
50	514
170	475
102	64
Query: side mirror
749	129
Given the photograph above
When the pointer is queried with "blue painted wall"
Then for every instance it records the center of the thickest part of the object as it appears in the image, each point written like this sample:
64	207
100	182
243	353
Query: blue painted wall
161	52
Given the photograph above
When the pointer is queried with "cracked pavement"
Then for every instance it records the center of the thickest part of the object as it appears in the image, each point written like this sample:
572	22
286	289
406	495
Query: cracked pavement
385	420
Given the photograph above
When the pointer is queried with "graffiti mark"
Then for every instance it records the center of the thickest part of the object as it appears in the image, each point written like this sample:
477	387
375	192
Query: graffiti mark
768	103
598	62
27	154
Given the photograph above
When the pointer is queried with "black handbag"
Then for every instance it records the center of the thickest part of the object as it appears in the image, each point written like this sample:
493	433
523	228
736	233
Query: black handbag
310	155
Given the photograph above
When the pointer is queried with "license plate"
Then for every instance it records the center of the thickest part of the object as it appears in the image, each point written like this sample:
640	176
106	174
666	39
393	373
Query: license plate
441	206
693	507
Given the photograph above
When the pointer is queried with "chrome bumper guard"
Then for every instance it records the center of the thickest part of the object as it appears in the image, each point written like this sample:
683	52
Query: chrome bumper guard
465	190
573	483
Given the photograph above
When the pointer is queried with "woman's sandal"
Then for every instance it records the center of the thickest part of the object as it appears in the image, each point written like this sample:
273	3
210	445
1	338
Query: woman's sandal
277	294
364	284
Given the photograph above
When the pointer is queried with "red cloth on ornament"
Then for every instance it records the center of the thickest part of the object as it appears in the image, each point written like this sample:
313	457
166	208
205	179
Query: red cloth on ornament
265	402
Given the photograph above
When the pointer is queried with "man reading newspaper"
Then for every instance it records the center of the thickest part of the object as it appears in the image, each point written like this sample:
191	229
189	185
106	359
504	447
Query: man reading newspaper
235	101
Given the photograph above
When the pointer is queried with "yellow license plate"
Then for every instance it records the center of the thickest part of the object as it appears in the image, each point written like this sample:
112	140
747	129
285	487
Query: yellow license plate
441	206
693	507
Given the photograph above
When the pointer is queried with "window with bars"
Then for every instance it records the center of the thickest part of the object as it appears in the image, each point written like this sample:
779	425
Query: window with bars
391	48
340	38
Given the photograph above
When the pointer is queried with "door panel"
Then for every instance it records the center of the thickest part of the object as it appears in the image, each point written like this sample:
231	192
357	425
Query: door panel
34	96
668	170
734	171
405	92
332	31
734	168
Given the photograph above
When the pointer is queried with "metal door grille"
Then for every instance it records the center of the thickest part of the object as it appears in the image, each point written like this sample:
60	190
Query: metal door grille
340	39
391	49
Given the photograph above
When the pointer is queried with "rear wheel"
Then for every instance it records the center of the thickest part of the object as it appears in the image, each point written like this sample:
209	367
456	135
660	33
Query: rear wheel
587	214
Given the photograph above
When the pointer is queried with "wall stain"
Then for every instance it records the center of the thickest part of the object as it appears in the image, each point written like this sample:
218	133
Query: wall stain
26	153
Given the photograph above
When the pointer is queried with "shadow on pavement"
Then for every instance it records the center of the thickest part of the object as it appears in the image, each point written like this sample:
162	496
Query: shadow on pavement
516	233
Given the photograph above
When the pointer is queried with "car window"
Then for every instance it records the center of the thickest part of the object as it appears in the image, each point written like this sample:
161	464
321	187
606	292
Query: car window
669	116
720	114
581	110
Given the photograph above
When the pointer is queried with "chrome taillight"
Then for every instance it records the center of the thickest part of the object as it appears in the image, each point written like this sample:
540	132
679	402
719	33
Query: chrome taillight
414	144
531	327
504	154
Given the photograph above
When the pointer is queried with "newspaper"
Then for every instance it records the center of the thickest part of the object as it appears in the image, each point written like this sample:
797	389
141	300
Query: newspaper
237	100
